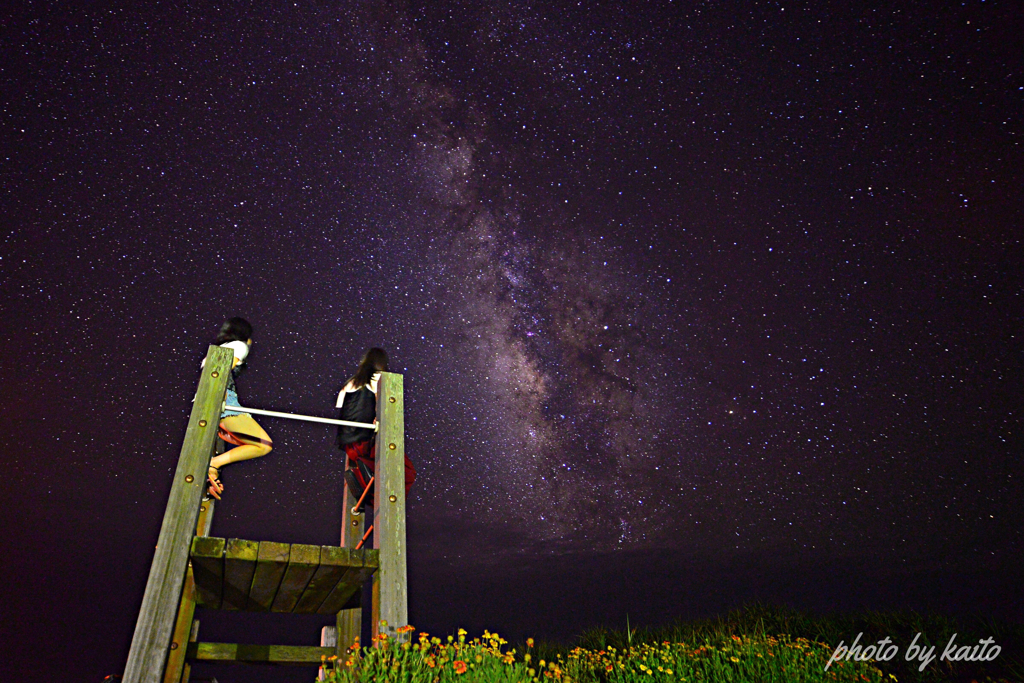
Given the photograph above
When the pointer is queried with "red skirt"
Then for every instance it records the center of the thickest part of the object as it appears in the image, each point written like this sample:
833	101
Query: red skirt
364	452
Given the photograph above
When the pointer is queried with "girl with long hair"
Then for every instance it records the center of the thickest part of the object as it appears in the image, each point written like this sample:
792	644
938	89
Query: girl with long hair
240	429
357	402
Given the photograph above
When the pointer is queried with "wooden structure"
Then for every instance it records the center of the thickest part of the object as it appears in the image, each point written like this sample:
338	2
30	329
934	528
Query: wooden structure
191	569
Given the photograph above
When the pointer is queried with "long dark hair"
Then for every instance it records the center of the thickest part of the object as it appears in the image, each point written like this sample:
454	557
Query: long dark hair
234	329
375	360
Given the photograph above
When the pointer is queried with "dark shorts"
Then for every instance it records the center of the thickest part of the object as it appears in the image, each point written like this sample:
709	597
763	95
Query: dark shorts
363	452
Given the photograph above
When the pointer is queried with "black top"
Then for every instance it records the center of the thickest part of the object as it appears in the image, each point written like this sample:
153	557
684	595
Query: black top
359	406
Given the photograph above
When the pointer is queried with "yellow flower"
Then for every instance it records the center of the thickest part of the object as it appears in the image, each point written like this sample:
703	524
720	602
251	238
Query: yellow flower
734	659
529	642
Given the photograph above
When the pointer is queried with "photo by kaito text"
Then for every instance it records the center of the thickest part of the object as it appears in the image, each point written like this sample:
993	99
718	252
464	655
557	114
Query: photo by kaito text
885	650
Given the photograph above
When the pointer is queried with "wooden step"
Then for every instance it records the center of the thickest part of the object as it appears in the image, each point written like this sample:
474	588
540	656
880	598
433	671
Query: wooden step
264	576
295	655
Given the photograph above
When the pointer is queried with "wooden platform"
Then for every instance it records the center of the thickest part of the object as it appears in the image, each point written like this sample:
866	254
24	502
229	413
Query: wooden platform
263	576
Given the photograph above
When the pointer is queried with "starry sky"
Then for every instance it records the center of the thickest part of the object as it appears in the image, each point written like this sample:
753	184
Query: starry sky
696	303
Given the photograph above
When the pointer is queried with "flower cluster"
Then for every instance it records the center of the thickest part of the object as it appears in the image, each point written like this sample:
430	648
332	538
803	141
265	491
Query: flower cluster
487	659
429	659
733	658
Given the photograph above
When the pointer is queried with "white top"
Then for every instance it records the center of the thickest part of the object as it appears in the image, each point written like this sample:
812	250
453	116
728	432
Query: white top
349	388
240	348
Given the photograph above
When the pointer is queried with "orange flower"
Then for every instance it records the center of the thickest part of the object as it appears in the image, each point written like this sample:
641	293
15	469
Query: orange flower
529	642
459	666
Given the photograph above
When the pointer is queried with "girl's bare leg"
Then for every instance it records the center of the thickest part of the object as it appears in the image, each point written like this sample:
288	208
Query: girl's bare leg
257	444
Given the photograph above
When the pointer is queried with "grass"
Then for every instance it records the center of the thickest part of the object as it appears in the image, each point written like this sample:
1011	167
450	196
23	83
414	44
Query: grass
757	644
831	629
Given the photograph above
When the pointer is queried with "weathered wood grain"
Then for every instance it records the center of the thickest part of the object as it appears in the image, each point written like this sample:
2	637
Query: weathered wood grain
205	517
177	669
390	603
297	655
271	562
334	563
303	561
364	564
239	567
182	626
208	570
193	636
349	623
148	654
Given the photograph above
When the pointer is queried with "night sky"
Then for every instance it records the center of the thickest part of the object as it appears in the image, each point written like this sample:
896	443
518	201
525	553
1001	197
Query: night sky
696	303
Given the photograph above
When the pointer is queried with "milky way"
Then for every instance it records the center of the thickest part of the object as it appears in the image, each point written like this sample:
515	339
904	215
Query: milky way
545	322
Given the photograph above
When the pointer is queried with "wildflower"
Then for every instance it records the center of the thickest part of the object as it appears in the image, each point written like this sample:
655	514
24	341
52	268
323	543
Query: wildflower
734	659
459	666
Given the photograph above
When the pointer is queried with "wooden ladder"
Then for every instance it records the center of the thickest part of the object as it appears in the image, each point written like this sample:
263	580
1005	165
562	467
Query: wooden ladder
191	569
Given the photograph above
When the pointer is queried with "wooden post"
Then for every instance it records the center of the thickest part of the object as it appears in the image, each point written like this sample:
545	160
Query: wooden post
390	599
328	638
193	636
349	622
175	671
152	638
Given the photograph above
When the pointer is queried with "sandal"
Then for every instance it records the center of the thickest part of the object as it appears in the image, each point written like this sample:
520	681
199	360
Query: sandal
215	488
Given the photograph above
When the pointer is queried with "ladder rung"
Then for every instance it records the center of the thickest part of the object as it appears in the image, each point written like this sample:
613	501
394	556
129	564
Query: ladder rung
294	655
